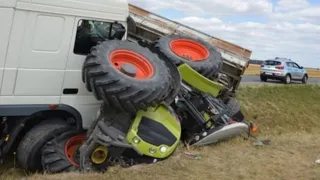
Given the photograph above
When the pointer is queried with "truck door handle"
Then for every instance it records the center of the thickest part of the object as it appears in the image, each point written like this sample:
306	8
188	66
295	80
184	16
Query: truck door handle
70	91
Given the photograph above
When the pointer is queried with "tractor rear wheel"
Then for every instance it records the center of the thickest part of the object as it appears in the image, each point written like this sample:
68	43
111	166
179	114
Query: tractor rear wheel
126	76
198	54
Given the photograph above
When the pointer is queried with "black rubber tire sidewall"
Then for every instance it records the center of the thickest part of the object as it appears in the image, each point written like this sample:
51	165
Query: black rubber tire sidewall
30	147
208	67
232	107
53	158
126	93
305	79
285	79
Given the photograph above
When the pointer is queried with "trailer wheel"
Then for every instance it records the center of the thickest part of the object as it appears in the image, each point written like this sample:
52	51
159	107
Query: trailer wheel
61	153
30	147
125	75
198	54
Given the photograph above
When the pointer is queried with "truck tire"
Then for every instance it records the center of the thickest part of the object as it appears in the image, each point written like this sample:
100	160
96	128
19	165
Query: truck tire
59	154
198	54
30	147
125	76
232	107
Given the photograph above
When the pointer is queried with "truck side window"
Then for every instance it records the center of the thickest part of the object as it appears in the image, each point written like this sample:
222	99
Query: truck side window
89	33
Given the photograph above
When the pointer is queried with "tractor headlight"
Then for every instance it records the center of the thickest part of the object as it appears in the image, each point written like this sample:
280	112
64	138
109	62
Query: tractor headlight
163	149
136	140
152	150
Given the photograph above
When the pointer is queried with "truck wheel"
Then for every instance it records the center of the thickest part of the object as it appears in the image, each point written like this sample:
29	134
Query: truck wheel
126	76
60	154
232	107
29	149
198	54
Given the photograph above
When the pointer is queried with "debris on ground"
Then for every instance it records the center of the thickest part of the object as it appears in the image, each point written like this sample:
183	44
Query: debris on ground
261	142
192	155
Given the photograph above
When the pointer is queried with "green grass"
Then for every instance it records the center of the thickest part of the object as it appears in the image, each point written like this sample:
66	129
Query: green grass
288	115
282	108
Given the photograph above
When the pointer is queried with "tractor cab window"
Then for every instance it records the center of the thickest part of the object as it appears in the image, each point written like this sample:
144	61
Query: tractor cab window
89	33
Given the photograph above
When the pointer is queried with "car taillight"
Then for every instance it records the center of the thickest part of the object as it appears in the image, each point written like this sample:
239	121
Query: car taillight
279	67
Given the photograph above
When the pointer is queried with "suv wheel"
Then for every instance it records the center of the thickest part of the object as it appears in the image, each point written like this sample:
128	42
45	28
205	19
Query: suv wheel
287	79
305	79
263	78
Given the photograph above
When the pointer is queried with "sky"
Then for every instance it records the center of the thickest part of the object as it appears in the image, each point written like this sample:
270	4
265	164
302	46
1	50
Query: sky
269	28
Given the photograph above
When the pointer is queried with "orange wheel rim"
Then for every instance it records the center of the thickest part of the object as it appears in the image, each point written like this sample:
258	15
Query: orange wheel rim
189	49
71	146
132	64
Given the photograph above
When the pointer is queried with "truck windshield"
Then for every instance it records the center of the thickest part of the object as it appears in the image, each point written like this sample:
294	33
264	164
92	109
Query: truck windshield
104	30
89	33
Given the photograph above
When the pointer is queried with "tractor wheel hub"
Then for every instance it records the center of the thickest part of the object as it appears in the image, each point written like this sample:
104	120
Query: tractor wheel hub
128	69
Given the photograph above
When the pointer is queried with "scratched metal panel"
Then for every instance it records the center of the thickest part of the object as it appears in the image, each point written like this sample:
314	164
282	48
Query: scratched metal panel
194	32
229	51
161	21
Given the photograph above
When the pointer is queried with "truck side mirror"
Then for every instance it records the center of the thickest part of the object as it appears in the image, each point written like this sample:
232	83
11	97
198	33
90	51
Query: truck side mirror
119	34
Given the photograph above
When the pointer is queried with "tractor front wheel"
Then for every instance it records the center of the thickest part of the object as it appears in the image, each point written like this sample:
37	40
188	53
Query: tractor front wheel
61	154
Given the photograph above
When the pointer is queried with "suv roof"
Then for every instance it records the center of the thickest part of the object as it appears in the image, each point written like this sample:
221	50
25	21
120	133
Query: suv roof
280	60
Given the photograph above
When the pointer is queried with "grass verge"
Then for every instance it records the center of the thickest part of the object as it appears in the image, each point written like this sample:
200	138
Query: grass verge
287	115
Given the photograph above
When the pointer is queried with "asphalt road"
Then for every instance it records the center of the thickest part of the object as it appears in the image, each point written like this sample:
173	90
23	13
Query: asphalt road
256	80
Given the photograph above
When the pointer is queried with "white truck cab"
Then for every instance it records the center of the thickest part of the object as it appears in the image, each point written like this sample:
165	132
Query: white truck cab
40	56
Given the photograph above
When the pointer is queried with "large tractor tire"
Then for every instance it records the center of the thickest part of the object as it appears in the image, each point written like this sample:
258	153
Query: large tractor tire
30	147
126	76
61	153
198	54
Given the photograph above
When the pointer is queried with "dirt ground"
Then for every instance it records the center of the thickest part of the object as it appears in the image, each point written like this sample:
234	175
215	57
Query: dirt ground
288	116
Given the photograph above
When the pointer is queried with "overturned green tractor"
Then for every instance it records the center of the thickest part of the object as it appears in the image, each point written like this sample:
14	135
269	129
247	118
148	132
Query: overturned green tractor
152	99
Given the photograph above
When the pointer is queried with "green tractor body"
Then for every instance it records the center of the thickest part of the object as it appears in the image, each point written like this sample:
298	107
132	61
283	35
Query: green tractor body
156	132
198	81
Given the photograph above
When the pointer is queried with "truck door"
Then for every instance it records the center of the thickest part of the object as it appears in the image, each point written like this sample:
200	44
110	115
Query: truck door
6	16
36	59
86	33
